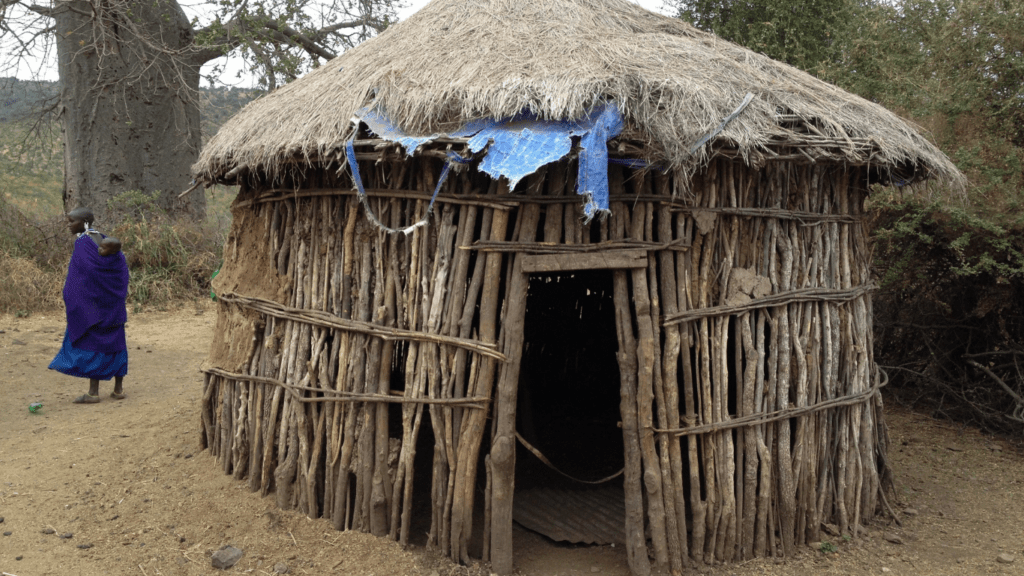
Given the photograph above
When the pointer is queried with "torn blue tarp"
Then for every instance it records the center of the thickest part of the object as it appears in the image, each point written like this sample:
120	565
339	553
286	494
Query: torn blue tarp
517	147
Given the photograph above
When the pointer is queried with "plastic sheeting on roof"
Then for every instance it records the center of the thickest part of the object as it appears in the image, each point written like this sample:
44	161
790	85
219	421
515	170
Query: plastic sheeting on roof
517	147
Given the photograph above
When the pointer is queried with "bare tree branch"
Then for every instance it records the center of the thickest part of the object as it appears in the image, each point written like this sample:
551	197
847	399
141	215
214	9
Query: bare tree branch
301	40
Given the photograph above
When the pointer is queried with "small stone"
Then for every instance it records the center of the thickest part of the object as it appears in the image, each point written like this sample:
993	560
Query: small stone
85	546
49	531
66	535
281	568
226	557
18	343
7	533
885	570
910	512
894	538
18	557
1	519
1005	558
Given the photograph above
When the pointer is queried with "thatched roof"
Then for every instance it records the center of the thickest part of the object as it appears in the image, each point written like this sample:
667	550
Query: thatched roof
456	60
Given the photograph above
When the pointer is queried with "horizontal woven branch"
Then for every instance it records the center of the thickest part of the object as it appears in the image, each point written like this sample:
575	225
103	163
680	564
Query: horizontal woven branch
477	402
470	199
553	248
516	199
780	299
800	216
881	379
328	320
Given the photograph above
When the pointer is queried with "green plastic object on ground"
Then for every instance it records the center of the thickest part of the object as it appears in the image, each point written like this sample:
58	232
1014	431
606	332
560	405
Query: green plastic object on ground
213	296
35	407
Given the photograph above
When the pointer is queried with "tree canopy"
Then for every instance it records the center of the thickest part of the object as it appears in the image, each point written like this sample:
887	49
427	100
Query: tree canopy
803	33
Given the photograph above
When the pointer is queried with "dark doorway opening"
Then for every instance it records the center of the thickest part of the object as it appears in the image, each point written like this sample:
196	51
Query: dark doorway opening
568	409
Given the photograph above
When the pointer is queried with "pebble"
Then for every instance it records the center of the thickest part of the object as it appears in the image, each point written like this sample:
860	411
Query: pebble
18	557
49	531
281	568
226	557
1005	558
885	570
894	538
85	546
1	517
7	533
18	343
910	512
66	535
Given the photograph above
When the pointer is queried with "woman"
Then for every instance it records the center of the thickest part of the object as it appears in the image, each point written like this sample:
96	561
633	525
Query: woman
94	298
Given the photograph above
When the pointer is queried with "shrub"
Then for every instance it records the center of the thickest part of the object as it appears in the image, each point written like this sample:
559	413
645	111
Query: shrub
169	259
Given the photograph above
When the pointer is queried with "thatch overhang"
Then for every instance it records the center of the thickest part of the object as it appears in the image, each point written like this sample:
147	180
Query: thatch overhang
458	60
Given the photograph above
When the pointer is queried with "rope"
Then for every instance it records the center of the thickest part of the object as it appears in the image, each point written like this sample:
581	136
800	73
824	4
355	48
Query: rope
547	462
354	166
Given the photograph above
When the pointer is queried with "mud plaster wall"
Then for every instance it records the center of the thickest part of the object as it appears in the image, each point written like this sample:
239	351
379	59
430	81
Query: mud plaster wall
248	270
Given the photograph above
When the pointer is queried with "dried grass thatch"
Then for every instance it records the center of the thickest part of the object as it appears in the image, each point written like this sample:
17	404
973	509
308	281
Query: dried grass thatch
461	59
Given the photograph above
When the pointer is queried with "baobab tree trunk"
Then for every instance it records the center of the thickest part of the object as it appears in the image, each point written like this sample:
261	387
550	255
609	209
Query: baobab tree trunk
128	108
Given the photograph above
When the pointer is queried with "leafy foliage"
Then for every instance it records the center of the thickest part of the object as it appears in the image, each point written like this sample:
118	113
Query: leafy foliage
952	272
803	33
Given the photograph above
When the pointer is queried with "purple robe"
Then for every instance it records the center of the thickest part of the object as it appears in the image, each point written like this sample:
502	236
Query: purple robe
94	298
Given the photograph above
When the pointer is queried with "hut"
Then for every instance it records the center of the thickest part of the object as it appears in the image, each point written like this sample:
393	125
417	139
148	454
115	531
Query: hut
507	232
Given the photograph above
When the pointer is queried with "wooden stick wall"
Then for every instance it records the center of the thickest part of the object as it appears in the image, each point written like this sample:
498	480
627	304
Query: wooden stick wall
753	307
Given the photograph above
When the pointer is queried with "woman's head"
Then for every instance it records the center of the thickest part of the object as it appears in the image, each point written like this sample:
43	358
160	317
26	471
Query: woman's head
79	219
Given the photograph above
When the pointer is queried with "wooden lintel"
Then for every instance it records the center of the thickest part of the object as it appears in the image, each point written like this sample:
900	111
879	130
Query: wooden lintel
609	259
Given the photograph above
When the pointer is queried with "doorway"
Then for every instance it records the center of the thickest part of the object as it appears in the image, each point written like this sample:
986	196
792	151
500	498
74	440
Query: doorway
568	409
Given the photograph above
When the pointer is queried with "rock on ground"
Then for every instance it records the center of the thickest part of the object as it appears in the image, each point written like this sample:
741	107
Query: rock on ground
226	557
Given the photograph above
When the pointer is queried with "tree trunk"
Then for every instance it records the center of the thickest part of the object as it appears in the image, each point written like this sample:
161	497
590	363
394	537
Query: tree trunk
129	113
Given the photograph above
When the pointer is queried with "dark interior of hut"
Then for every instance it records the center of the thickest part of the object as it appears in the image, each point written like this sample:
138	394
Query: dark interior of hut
568	404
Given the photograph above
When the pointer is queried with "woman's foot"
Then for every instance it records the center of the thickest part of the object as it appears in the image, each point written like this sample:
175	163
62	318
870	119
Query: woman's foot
86	399
118	395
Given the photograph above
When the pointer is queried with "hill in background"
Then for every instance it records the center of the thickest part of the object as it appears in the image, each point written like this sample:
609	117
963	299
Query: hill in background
31	154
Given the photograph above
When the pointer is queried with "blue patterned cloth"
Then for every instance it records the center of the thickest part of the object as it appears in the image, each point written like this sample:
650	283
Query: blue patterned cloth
88	364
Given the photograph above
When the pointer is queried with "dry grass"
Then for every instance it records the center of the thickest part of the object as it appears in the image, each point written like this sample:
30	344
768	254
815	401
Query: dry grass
169	260
456	60
28	286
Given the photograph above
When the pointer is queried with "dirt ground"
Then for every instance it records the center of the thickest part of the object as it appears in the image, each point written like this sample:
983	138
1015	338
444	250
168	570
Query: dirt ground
122	487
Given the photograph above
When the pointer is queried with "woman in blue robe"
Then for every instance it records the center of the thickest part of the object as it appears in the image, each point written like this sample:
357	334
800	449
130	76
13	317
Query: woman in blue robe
94	298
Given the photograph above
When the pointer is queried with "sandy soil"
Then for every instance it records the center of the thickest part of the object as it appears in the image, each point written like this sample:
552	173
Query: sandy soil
122	487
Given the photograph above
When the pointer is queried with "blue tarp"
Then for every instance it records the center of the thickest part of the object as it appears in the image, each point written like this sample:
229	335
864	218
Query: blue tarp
517	147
